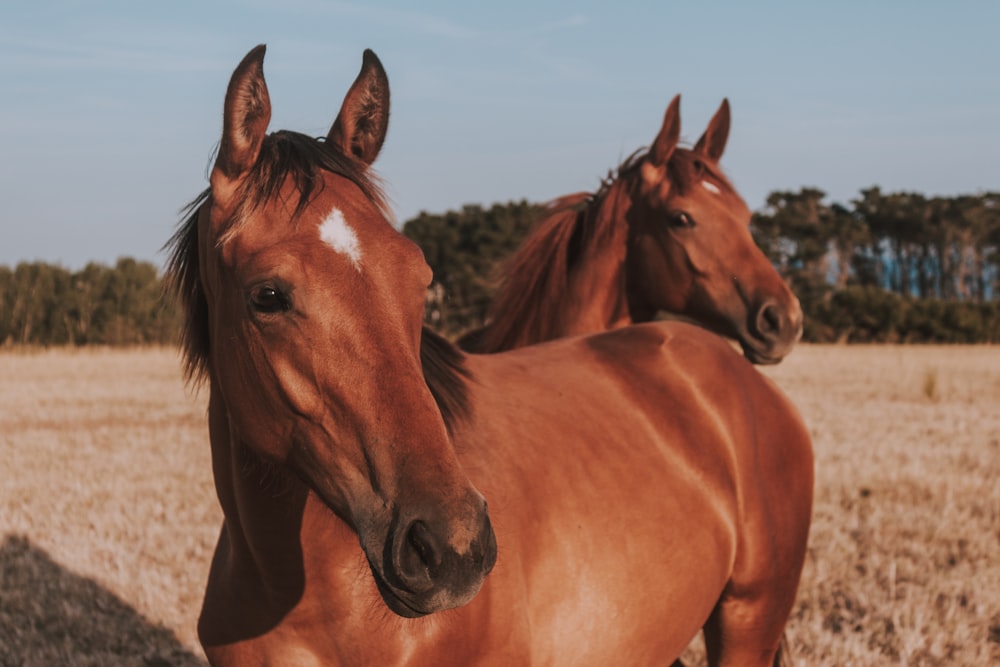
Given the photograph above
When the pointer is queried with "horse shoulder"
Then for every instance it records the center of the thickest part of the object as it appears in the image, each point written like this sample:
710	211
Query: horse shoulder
685	375
769	451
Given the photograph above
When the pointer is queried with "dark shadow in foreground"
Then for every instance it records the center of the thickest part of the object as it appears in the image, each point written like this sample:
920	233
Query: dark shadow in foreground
50	616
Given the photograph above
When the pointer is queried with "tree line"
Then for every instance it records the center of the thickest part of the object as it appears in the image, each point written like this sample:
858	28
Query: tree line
46	304
886	267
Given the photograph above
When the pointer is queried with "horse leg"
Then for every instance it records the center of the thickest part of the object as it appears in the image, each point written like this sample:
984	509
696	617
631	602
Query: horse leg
748	623
748	632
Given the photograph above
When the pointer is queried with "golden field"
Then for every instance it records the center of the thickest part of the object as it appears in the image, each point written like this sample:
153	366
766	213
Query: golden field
108	514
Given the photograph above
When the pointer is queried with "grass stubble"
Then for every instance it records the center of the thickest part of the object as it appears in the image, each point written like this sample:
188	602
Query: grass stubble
108	515
107	509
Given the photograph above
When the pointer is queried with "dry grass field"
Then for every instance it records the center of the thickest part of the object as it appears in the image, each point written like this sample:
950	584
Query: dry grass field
108	515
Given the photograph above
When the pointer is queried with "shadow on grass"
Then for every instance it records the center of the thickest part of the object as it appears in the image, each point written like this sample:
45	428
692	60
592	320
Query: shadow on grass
50	616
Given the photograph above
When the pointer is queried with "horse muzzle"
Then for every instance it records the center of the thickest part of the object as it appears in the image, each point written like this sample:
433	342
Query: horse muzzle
429	565
773	330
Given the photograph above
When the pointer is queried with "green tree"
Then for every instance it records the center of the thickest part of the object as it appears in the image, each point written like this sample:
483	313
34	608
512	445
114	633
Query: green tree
795	229
132	309
849	236
34	309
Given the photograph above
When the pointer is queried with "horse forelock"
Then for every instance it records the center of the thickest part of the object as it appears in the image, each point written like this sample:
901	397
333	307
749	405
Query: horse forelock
283	155
687	168
286	154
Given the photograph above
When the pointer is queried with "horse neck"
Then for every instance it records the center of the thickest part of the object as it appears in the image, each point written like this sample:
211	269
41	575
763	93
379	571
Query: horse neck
567	295
267	510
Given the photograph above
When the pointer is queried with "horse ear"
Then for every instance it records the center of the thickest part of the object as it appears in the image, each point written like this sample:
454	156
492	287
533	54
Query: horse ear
670	134
246	113
713	142
364	116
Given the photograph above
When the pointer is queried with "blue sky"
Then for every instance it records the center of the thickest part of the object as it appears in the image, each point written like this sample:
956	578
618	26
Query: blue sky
110	110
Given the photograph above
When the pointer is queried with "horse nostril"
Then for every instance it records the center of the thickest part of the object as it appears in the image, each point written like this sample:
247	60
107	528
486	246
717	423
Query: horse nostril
769	321
415	557
488	547
419	537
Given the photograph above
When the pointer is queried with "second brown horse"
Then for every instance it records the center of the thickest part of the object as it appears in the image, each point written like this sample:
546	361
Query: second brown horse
667	233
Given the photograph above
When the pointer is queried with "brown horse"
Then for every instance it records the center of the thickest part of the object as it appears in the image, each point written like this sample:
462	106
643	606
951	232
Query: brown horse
643	483
667	233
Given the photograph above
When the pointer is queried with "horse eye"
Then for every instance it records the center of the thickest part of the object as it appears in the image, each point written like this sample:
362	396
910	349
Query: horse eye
268	299
681	219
